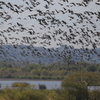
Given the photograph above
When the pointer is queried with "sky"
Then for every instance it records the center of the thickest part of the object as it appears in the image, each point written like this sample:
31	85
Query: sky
40	31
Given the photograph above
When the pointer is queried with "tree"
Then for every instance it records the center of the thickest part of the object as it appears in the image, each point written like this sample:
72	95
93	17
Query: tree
36	72
91	68
21	85
68	60
76	84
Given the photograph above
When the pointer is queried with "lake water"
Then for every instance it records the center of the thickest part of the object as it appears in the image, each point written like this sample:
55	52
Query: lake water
49	84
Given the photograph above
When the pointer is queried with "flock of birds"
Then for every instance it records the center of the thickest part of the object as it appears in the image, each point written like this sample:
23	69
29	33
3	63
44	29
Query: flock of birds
48	31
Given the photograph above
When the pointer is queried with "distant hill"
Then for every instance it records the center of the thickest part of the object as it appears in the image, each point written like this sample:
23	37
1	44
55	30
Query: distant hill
22	53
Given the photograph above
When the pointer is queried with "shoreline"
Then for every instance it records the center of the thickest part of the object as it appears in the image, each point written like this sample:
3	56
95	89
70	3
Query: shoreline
12	79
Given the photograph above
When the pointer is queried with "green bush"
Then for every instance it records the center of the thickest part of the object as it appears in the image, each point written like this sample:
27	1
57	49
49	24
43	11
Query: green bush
94	95
25	94
75	85
21	85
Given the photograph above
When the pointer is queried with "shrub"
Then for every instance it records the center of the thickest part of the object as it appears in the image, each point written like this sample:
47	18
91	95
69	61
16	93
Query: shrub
21	85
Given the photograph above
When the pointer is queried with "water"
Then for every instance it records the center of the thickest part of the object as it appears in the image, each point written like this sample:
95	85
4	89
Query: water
91	88
49	84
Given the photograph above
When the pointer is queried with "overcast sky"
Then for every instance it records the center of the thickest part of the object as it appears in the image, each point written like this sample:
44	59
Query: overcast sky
27	22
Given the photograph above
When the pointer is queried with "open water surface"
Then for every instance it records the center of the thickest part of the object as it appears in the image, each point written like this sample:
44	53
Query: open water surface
49	84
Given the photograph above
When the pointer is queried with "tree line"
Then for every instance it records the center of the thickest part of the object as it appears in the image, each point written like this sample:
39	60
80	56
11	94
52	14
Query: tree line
54	71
